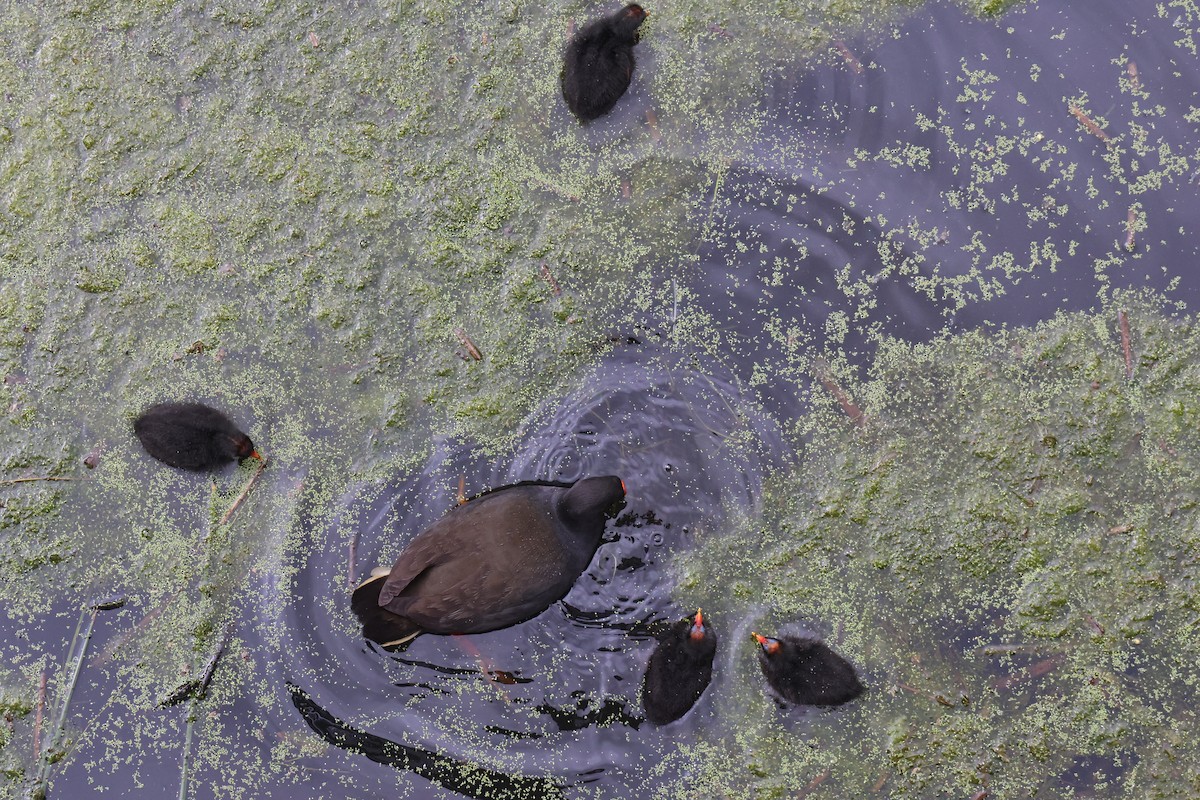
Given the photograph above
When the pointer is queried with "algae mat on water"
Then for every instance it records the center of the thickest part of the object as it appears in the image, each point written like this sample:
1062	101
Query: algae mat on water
1009	549
301	204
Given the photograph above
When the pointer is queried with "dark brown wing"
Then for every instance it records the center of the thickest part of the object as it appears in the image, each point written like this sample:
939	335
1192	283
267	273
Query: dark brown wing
490	563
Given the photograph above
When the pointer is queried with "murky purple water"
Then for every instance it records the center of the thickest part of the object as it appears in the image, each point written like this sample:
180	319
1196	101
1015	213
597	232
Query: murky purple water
813	212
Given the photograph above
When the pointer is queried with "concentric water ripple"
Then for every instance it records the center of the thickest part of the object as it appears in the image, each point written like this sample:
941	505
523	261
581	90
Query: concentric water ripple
566	706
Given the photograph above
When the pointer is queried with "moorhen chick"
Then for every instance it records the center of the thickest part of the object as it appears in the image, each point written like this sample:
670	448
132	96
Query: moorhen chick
500	558
802	669
599	62
192	436
679	670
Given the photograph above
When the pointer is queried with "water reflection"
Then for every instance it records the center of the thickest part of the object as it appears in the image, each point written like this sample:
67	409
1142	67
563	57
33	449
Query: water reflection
456	776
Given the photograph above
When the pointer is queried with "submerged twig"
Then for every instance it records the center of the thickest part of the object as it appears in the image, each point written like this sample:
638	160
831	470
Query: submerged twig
1010	649
37	788
1032	672
10	481
1089	124
262	465
187	749
937	698
850	58
352	559
1126	345
821	368
652	121
198	687
461	499
555	289
674	304
118	642
813	784
37	719
467	343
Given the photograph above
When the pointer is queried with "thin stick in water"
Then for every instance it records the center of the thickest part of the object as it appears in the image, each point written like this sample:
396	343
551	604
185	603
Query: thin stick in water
467	343
1126	345
262	465
652	121
38	788
1089	124
851	60
37	720
187	749
198	687
11	481
813	784
548	276
118	642
852	411
352	559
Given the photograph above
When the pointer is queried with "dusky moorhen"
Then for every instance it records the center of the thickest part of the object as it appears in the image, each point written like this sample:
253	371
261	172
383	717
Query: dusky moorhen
192	436
679	670
598	64
803	669
499	559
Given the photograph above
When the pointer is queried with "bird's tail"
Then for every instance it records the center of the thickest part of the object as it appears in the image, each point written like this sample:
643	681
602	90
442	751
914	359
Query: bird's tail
380	625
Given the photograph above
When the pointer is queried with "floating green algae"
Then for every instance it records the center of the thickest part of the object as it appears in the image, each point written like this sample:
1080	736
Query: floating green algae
290	210
1006	548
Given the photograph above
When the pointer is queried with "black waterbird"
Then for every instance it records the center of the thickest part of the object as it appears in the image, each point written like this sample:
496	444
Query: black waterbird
598	65
496	560
803	669
192	436
679	669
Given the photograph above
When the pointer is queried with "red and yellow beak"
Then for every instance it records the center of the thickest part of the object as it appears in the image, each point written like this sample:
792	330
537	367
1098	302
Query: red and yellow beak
770	646
697	631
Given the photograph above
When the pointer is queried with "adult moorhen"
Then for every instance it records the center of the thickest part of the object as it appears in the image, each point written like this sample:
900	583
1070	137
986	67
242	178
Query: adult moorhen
499	559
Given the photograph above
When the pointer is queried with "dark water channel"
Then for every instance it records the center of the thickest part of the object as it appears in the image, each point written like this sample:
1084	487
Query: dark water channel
828	239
